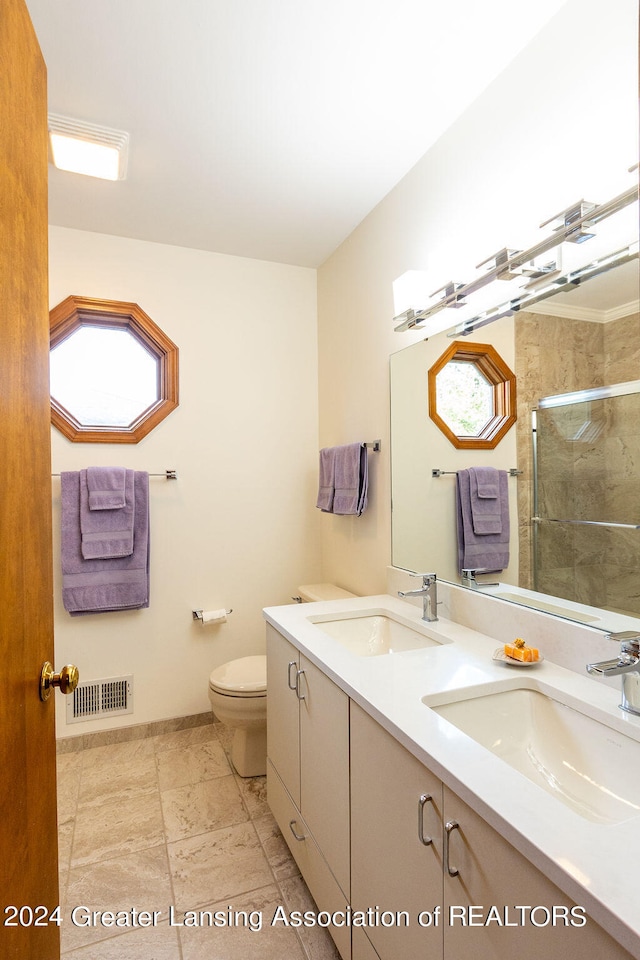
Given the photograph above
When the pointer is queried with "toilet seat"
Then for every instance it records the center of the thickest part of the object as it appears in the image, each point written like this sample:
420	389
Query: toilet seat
245	677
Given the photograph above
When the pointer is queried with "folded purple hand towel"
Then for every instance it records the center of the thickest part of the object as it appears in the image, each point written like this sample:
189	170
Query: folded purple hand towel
106	488
326	470
106	533
102	585
485	503
351	479
486	479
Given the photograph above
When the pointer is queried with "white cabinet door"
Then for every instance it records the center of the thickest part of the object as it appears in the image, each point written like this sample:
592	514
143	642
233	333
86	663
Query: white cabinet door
492	873
393	868
283	725
324	767
308	773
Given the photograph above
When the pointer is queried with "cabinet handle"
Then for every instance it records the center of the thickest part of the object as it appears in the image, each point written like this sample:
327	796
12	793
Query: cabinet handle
294	685
292	828
425	798
299	674
449	826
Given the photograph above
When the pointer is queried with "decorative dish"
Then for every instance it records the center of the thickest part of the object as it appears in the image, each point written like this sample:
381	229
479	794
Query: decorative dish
503	658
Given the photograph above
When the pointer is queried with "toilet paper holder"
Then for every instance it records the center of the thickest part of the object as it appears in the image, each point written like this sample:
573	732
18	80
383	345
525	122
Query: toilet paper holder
198	614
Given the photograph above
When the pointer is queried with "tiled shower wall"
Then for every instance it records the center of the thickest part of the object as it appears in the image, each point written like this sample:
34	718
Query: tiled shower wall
595	477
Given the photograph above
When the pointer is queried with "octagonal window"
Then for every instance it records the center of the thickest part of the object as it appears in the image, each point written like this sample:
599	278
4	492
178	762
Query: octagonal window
113	371
472	395
464	397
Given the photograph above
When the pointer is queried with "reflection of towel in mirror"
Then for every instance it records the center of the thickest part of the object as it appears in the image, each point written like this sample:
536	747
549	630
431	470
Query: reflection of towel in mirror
106	531
484	499
102	585
481	551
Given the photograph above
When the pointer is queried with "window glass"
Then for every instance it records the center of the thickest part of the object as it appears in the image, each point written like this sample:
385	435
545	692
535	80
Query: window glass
104	376
464	397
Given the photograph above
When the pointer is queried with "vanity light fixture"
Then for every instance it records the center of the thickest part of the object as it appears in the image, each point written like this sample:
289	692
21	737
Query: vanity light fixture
87	148
544	276
573	222
558	282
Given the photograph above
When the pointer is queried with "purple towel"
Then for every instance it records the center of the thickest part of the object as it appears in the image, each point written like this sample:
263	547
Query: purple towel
486	552
106	532
99	586
486	506
106	488
351	479
326	488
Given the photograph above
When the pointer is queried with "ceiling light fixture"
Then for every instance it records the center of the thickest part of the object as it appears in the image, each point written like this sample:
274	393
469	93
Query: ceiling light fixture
87	148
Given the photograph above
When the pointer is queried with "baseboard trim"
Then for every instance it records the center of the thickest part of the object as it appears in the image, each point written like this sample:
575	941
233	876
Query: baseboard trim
136	731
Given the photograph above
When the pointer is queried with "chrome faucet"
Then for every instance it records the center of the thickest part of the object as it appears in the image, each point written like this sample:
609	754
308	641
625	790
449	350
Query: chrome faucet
469	579
429	594
626	665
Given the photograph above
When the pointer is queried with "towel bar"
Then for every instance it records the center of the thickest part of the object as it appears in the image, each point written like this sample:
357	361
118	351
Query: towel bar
513	472
168	475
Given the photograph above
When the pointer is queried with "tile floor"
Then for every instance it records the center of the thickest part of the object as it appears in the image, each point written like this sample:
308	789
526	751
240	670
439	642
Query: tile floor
164	823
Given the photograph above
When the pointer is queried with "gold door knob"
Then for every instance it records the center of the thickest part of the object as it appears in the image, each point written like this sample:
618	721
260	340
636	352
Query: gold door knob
67	679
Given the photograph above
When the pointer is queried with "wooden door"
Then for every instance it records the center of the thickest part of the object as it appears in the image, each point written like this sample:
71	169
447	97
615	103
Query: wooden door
28	837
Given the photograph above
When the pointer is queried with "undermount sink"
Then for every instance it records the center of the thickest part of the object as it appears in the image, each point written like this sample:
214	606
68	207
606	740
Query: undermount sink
373	633
588	764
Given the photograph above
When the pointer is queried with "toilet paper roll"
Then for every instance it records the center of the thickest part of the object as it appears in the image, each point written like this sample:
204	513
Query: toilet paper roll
214	616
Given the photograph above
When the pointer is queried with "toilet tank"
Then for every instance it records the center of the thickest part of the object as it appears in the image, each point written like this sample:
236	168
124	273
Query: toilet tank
309	592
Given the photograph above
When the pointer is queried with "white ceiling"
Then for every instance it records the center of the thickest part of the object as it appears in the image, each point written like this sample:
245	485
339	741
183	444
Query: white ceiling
264	128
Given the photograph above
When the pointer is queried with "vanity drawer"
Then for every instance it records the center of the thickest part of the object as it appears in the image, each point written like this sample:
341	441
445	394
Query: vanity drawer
323	886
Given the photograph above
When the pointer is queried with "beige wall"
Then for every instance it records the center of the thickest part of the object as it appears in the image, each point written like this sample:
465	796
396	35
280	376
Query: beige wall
238	529
559	124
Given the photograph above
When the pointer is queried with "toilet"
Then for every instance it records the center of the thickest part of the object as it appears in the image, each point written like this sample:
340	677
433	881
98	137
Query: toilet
238	695
311	592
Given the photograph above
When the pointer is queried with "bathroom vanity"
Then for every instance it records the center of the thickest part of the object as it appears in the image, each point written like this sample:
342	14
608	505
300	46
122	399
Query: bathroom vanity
400	803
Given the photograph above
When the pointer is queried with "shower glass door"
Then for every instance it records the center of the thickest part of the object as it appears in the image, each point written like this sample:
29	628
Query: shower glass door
586	524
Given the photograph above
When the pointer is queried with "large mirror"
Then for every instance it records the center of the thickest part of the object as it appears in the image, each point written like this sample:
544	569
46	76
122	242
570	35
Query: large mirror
574	499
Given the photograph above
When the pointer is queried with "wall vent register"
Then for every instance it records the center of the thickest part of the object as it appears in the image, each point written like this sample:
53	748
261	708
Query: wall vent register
100	698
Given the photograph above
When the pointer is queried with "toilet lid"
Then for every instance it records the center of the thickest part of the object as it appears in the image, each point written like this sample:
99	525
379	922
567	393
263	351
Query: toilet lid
245	677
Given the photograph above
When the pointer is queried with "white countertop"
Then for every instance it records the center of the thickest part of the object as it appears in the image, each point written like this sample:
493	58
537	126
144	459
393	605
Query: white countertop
594	863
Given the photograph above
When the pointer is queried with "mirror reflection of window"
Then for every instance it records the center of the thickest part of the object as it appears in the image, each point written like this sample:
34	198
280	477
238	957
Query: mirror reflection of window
464	397
104	376
472	395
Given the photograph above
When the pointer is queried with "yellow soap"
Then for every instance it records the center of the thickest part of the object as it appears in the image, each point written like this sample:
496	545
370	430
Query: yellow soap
518	650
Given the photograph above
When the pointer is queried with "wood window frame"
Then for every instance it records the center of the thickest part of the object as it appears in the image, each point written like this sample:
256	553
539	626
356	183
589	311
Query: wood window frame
502	381
75	312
